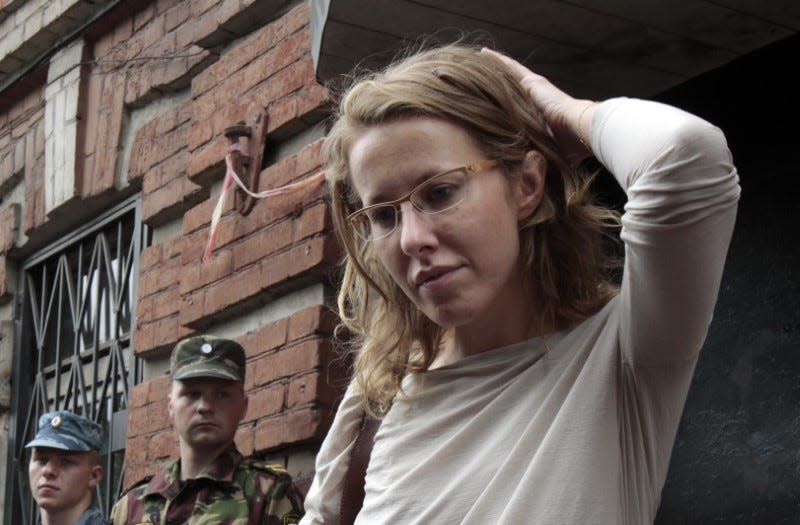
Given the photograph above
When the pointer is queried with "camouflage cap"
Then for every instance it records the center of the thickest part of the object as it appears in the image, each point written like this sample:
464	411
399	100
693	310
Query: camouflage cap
207	356
67	431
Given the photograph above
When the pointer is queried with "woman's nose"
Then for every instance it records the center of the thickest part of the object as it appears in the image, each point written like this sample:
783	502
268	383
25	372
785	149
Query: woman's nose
416	230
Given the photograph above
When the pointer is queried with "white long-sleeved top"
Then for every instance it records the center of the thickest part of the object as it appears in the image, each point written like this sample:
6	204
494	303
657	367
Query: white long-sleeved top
581	433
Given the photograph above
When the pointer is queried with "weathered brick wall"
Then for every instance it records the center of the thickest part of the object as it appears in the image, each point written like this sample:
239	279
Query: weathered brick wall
21	162
293	380
283	244
224	59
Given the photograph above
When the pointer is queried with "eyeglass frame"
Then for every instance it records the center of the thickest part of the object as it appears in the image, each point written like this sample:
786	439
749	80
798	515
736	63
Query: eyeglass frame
470	169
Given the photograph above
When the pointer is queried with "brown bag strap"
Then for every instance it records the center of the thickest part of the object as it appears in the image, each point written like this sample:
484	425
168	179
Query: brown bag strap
353	491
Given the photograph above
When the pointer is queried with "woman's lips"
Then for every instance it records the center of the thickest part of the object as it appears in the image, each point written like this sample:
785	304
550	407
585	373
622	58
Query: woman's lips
436	277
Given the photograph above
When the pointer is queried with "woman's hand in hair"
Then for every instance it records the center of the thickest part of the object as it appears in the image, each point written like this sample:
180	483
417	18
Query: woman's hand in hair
569	119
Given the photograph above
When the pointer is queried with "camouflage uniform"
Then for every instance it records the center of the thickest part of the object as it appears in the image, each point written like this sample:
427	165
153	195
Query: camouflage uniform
233	491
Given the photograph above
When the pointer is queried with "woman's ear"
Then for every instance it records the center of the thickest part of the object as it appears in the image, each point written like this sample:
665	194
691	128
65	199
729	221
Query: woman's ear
530	188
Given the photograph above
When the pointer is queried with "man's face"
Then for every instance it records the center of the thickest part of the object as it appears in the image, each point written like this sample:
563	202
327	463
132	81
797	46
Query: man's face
206	412
61	479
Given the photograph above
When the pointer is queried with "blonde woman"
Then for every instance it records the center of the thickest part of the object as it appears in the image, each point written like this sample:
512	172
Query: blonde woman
514	381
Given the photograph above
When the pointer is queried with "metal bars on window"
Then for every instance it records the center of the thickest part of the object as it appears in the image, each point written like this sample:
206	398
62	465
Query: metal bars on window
74	326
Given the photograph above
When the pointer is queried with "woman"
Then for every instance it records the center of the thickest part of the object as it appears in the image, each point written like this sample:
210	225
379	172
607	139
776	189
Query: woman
514	381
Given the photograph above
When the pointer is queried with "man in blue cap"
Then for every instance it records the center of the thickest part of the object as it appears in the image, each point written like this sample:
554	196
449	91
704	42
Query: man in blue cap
65	469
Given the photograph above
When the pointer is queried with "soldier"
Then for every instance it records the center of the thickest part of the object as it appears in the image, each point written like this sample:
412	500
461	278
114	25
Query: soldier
65	469
210	482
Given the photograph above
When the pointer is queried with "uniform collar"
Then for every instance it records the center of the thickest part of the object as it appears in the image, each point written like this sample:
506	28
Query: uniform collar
167	481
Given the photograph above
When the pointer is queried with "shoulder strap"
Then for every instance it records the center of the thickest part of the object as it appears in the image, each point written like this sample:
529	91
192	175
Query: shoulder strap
353	492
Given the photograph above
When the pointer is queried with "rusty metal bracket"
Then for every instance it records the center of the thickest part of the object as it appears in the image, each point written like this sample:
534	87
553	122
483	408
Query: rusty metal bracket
246	160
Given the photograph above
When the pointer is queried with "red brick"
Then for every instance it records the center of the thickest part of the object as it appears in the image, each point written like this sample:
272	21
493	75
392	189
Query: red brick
156	417
184	34
199	275
286	81
200	216
158	306
262	244
225	235
311	321
207	164
282	111
201	6
176	16
239	287
150	256
141	18
205	25
192	309
162	446
200	133
169	144
310	157
6	286
136	448
266	402
313	103
139	395
311	222
169	331
245	439
90	118
9	226
171	200
159	335
134	472
313	254
159	389
290	428
314	389
290	361
266	338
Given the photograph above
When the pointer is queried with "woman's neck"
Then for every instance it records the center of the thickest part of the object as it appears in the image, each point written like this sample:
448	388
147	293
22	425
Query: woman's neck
518	324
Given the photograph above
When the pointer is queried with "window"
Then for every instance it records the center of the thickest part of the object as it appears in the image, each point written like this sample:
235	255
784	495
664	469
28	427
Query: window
75	316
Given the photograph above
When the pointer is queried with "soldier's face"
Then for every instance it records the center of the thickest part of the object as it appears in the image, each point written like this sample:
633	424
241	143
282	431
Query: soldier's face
207	412
62	479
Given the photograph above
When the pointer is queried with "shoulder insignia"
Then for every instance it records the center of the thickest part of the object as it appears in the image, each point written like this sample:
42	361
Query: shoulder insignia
260	464
143	481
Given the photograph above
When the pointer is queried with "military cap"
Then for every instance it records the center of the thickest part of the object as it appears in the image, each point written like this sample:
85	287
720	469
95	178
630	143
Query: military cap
67	431
207	356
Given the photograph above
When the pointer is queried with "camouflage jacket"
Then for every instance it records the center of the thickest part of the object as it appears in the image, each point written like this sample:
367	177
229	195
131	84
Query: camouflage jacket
232	491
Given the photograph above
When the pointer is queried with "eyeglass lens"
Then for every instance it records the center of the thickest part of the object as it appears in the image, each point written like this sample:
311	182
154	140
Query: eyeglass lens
436	195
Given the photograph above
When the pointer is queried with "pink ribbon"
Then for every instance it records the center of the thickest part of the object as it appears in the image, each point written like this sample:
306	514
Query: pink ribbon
231	177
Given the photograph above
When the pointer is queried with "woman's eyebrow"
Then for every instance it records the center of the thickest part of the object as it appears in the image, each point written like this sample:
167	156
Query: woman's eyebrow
383	196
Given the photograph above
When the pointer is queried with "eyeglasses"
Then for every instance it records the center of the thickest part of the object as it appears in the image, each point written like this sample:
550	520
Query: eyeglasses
440	193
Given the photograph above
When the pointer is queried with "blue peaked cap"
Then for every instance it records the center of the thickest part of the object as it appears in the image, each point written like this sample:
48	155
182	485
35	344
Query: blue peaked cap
66	430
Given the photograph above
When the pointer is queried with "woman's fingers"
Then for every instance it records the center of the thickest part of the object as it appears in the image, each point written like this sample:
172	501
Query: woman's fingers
569	119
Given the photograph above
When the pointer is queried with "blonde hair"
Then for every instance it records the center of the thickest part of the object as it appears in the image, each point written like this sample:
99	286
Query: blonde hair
561	242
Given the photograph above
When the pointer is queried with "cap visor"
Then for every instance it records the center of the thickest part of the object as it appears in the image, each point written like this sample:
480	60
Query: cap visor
52	443
198	373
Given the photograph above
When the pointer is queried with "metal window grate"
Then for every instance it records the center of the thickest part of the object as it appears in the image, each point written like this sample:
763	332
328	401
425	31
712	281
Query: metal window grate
75	319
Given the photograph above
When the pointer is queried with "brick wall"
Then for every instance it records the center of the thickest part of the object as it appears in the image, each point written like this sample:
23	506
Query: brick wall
294	381
224	59
283	244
